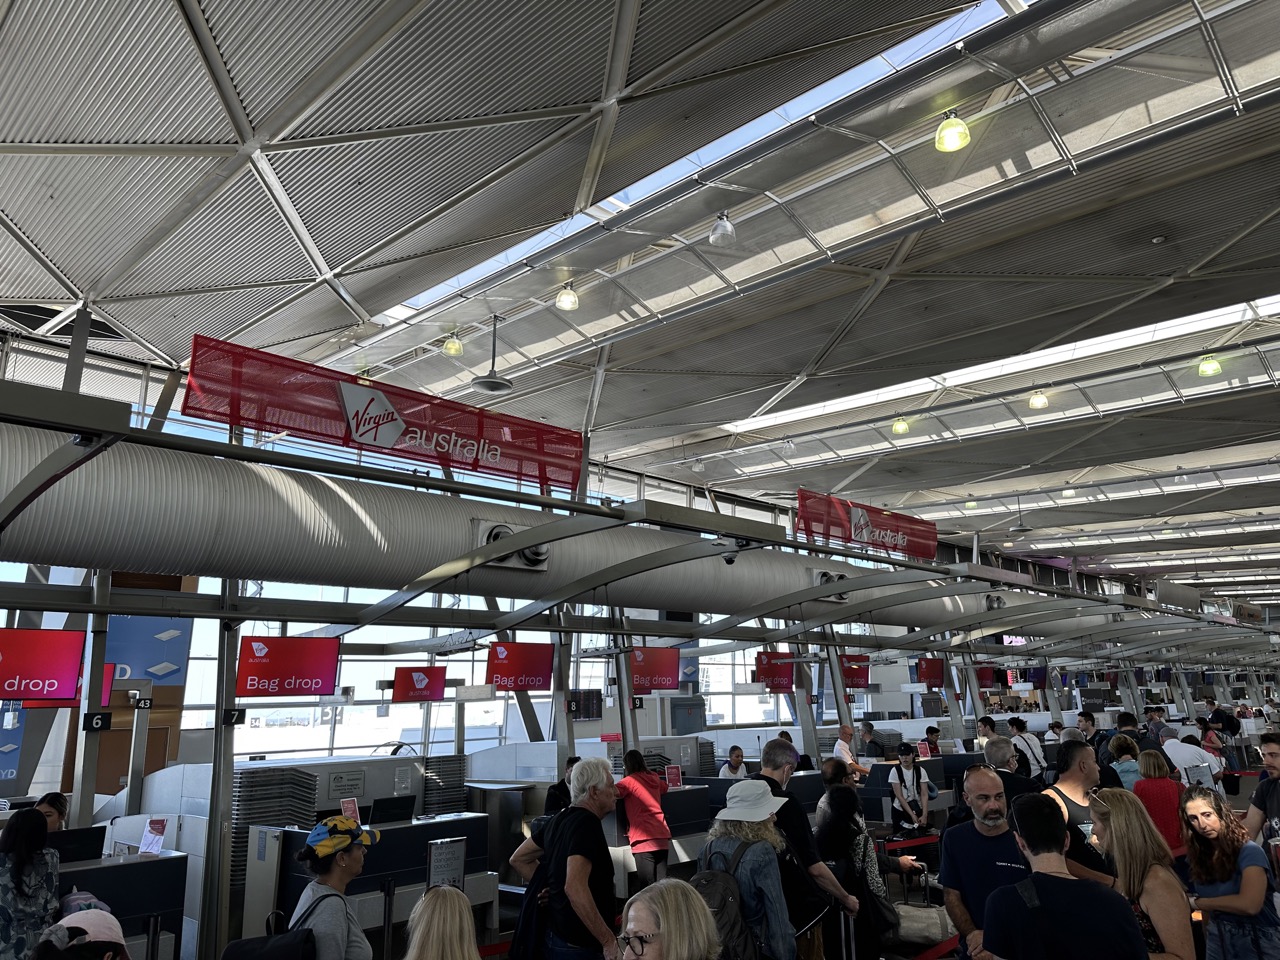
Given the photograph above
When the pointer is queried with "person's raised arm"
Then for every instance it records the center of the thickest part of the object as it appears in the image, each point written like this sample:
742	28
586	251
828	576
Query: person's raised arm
525	859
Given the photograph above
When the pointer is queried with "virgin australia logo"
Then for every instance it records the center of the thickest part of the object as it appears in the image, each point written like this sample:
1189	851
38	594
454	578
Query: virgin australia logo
259	648
419	679
502	653
370	416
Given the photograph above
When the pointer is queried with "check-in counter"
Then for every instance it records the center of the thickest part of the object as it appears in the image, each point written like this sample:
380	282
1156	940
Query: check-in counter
145	893
394	877
688	816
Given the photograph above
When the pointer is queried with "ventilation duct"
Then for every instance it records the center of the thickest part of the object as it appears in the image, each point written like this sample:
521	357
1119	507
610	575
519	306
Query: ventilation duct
159	511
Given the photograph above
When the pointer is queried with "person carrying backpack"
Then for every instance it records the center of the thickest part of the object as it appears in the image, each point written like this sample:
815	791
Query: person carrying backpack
1228	728
909	784
742	847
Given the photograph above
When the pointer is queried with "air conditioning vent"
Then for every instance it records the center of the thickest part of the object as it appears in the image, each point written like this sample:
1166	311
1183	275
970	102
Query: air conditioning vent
823	577
536	557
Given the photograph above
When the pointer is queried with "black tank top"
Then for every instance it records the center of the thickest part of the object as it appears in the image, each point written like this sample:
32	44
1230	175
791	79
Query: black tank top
1078	814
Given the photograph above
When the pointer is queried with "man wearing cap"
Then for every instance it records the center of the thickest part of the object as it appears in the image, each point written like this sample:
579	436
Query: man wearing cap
334	852
579	868
93	931
777	763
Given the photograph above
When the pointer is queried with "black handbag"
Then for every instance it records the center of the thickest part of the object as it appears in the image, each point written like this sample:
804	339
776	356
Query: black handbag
297	943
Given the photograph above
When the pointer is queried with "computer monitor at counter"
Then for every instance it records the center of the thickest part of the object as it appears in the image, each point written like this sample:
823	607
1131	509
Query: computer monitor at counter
79	844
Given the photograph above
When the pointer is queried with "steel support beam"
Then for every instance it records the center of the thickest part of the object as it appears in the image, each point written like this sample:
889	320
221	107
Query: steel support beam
804	711
85	782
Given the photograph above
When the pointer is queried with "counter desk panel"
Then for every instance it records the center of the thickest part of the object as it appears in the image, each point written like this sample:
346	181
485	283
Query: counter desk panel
141	890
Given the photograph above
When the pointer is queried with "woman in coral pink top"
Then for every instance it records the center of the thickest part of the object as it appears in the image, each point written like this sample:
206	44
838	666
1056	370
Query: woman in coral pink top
641	792
1160	796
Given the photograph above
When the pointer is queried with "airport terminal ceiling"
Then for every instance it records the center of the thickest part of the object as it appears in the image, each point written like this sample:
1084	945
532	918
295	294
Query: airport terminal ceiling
310	183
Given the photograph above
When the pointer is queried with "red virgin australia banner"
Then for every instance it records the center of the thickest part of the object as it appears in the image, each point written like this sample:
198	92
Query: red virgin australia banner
823	517
856	670
235	385
777	677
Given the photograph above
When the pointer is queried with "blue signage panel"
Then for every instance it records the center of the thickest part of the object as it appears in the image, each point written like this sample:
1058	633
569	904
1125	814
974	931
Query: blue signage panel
150	648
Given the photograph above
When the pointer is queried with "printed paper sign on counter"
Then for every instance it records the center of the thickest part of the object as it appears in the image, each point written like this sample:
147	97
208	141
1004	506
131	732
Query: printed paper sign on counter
287	667
153	836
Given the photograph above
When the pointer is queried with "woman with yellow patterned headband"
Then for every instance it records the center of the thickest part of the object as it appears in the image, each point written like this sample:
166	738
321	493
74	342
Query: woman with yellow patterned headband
335	853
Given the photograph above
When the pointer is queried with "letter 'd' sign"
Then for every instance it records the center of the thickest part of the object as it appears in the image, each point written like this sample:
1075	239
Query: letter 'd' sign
40	664
287	667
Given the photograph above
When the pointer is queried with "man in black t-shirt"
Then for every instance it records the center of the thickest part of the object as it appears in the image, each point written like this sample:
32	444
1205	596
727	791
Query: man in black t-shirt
1264	808
1052	915
558	793
582	905
777	763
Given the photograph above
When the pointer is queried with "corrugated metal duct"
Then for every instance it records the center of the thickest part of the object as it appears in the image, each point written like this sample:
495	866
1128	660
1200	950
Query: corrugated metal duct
150	510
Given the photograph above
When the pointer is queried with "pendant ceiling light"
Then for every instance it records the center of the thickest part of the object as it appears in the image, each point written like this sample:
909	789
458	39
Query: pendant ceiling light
453	346
491	382
567	299
1019	527
901	427
723	233
953	133
1038	401
1209	367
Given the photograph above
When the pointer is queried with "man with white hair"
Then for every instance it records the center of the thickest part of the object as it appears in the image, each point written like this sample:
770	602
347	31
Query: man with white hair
579	868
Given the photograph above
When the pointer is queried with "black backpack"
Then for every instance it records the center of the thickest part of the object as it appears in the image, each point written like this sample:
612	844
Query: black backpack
296	943
1231	723
719	888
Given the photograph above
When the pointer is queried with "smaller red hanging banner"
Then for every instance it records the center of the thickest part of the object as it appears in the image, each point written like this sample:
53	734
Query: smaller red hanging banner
776	676
856	670
929	670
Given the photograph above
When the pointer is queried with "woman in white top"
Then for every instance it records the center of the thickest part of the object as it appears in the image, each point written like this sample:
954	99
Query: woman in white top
909	783
734	769
1029	745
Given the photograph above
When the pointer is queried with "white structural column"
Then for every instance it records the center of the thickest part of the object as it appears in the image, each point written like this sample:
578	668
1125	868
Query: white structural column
85	782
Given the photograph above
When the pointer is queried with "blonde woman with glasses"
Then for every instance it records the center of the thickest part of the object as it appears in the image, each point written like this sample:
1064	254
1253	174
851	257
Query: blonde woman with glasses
1144	873
442	927
668	920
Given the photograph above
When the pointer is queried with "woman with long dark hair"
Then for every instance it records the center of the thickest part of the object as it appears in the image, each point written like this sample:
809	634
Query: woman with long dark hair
641	792
1232	879
28	883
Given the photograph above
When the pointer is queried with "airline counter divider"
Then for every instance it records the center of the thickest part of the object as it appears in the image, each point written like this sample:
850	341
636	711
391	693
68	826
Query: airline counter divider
145	893
394	877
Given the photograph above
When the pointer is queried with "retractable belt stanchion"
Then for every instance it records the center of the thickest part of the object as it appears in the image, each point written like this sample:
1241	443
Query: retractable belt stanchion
388	908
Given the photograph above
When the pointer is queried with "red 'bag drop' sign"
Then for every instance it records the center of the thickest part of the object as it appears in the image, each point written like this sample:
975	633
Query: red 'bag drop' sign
287	667
521	666
856	670
108	677
777	677
242	387
40	664
418	684
929	670
655	668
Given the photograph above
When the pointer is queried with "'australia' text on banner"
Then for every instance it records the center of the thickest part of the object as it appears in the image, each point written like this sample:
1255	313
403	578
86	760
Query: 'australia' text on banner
243	387
822	517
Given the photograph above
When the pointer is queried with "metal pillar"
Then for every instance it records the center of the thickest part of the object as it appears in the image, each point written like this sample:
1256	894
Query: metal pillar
838	687
1186	702
561	721
804	712
79	346
1253	683
137	748
1053	693
975	691
85	782
626	716
950	688
216	881
1129	691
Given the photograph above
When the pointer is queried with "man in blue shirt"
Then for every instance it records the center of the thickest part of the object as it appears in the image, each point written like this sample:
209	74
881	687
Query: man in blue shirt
978	857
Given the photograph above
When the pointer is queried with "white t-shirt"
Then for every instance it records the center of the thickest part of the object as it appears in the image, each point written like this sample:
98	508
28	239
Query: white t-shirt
1031	747
908	784
726	772
844	752
1185	756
